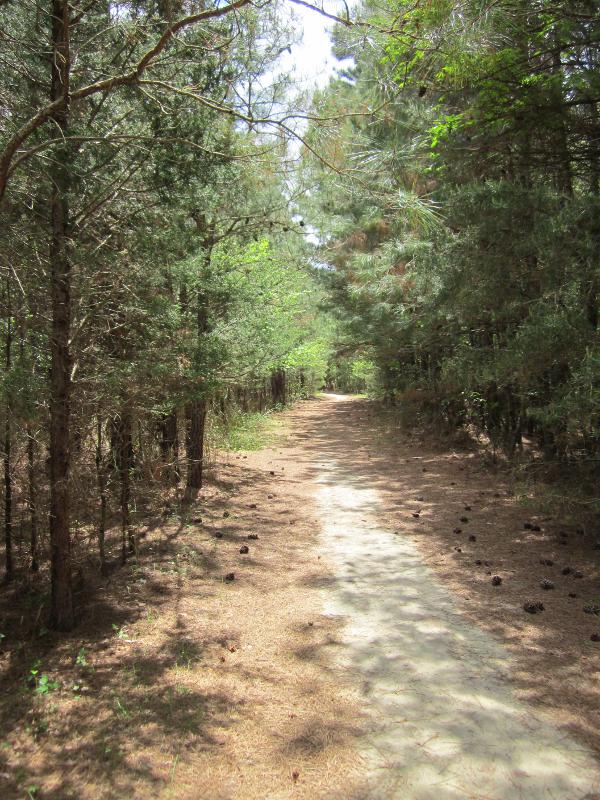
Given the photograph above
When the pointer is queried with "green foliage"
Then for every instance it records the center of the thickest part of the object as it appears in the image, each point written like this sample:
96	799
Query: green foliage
243	431
40	681
120	632
481	308
352	374
260	313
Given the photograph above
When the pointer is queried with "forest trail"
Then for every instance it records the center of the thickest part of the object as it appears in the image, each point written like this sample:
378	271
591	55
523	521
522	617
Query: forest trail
444	720
315	629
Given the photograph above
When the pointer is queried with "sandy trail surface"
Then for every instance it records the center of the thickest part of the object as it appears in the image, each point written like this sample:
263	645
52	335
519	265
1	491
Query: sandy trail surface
322	625
445	721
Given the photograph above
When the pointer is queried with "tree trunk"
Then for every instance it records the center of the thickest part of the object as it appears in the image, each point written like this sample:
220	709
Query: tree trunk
278	387
593	146
8	521
101	482
124	441
196	419
61	610
564	179
32	499
169	447
196	410
593	284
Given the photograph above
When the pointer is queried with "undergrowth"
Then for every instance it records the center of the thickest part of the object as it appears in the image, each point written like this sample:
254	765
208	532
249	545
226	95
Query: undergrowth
563	489
243	431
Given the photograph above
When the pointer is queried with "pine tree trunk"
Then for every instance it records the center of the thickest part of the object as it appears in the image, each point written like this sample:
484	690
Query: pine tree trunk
125	465
564	178
594	150
8	521
101	482
196	410
592	304
169	446
61	610
196	418
32	500
278	387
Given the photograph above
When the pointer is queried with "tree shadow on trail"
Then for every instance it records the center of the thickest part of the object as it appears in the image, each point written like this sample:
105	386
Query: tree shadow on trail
111	699
423	493
118	710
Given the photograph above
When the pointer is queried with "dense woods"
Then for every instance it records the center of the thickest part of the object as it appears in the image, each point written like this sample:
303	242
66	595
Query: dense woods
299	399
463	227
157	276
152	267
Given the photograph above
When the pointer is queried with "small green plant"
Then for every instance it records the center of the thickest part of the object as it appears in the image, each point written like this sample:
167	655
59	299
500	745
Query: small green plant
32	791
593	607
121	709
76	688
45	685
120	632
173	768
41	682
81	660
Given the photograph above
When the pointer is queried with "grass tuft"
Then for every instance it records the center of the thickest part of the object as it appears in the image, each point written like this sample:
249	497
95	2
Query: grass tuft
243	431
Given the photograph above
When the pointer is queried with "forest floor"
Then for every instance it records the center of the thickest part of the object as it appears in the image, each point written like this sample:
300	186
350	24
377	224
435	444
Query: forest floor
357	650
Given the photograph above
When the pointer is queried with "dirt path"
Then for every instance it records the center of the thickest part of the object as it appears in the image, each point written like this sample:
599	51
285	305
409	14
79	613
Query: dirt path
445	720
359	652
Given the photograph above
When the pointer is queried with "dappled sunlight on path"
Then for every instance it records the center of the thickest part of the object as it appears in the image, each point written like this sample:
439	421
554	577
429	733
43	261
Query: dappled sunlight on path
445	721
